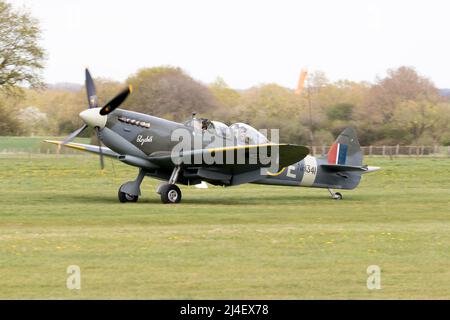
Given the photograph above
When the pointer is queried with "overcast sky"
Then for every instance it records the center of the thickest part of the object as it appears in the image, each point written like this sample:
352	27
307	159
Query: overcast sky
244	42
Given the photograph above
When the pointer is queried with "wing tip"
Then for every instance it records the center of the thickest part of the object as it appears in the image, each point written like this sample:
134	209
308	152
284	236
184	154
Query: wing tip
53	142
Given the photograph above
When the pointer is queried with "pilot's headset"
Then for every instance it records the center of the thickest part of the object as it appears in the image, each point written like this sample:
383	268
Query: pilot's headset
242	134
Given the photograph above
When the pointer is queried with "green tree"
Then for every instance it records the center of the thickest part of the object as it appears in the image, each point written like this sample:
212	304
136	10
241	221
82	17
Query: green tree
61	108
21	57
169	92
9	125
382	115
271	106
341	111
420	121
400	85
228	100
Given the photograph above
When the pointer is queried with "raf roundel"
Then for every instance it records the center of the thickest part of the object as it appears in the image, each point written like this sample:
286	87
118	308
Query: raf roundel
338	154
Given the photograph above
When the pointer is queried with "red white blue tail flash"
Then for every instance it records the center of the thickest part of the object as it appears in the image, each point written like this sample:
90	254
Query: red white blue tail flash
338	154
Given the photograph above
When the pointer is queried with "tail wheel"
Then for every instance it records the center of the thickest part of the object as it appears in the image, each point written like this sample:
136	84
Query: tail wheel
337	196
170	193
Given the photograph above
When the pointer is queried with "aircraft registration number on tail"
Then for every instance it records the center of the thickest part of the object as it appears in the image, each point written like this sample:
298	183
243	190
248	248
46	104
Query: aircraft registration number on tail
309	168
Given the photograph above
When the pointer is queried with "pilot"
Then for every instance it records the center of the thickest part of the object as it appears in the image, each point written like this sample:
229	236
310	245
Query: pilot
205	124
197	125
243	136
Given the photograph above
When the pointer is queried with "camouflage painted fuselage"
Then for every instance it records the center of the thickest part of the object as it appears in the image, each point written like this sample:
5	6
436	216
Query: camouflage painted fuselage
309	173
143	136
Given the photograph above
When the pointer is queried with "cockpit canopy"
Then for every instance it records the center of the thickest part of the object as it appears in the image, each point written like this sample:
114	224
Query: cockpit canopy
246	134
242	133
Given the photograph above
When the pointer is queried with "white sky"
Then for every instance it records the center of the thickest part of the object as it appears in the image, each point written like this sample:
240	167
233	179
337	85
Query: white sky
245	42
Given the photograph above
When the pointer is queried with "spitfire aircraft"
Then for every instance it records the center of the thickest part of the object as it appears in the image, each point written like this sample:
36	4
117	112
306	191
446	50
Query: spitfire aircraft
148	143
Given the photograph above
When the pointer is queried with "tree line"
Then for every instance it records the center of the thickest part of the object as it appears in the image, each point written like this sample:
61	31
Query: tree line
404	107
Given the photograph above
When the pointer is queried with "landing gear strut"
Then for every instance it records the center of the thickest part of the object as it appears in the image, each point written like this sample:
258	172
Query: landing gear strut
170	193
130	191
335	195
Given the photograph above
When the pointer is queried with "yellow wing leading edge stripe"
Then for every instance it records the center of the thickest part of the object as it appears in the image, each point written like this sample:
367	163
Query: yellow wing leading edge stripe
70	145
276	174
244	147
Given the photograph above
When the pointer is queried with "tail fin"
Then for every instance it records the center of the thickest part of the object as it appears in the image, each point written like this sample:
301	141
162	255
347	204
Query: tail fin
346	150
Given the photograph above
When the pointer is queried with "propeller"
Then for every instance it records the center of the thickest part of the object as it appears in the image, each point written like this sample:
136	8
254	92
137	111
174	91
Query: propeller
74	134
96	117
102	162
116	101
90	90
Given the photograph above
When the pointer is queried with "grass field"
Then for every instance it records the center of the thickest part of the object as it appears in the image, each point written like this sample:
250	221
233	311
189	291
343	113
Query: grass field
32	144
244	242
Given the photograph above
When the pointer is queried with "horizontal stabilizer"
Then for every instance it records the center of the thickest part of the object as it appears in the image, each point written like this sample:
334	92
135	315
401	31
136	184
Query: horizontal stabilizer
348	168
341	168
372	169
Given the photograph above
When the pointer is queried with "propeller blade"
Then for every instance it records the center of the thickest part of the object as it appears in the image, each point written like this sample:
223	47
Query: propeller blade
102	162
91	92
116	101
74	134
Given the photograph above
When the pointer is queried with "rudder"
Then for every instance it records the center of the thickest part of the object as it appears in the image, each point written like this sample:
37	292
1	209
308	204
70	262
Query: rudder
346	149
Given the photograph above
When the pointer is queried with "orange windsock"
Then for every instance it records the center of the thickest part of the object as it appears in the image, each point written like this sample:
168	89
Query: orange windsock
301	82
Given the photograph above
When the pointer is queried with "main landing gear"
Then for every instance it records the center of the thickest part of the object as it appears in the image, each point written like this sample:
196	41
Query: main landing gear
335	195
170	193
125	197
130	191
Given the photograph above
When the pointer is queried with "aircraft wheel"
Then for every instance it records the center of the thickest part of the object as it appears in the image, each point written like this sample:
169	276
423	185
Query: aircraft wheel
125	197
170	193
337	196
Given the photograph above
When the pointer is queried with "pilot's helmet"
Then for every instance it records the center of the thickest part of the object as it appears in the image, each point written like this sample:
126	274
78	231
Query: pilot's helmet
205	124
242	134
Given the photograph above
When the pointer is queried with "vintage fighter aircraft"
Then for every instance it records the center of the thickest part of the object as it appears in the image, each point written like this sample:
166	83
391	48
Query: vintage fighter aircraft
147	143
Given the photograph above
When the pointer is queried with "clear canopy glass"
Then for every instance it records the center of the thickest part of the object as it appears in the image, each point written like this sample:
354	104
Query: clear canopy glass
242	133
246	134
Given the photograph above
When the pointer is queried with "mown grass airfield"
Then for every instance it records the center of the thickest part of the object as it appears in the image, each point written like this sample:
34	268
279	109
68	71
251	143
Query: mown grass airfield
245	242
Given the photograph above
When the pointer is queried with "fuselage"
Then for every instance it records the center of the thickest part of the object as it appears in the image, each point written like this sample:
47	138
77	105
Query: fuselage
309	173
203	150
140	135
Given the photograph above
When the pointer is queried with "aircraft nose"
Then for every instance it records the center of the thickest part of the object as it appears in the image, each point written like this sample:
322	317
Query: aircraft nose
93	118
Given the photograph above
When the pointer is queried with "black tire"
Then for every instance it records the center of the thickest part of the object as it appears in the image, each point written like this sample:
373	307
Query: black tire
337	196
170	193
125	197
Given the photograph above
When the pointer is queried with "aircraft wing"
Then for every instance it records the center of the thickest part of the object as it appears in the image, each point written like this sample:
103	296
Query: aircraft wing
231	173
288	154
225	174
85	147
